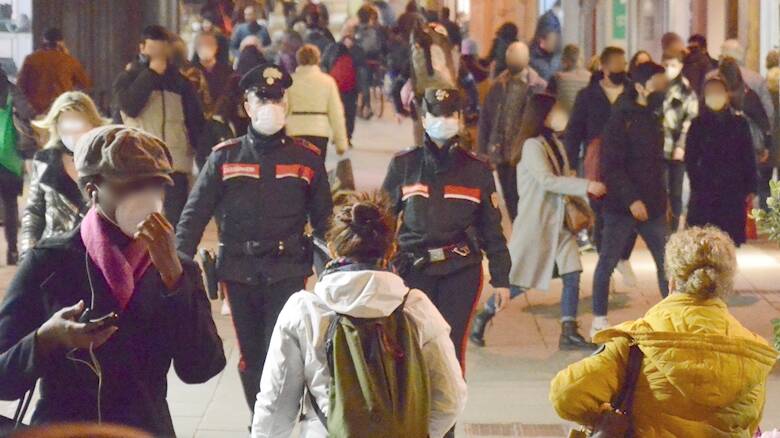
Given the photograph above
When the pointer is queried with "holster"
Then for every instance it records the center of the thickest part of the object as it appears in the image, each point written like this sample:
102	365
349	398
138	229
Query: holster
209	263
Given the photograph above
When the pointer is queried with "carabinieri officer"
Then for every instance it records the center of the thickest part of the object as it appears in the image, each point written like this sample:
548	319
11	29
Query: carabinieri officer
449	211
264	188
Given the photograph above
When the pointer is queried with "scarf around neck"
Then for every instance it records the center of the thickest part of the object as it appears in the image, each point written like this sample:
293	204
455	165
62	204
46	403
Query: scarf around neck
121	267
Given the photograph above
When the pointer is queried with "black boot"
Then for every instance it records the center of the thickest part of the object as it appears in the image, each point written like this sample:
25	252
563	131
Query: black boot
478	327
571	339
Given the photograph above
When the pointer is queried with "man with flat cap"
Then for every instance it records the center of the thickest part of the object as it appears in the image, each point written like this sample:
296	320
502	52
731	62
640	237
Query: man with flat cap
264	188
450	216
99	314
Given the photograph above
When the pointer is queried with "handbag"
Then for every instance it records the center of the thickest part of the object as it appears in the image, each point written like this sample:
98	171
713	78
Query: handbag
578	215
8	425
616	423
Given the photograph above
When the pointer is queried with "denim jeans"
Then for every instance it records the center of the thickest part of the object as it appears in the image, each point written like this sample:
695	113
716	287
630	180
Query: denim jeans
570	297
618	228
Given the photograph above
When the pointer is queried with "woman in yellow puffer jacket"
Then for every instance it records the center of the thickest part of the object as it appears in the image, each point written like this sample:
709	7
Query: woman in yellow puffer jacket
703	374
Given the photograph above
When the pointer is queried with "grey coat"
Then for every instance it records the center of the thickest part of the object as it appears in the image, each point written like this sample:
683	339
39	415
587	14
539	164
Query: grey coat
539	239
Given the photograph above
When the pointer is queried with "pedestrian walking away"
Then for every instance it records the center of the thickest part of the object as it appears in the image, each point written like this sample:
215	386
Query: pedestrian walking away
264	187
324	369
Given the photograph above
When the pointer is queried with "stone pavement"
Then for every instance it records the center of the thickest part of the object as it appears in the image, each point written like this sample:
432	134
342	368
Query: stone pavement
509	379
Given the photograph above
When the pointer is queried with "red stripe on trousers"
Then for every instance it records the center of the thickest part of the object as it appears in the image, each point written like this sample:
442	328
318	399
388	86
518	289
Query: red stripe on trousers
465	341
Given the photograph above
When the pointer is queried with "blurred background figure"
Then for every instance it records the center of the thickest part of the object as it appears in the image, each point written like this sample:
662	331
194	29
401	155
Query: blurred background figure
51	71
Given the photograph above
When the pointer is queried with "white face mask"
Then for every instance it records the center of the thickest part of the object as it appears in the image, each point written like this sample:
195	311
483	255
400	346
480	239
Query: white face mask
673	70
558	121
136	207
269	118
441	128
715	102
71	130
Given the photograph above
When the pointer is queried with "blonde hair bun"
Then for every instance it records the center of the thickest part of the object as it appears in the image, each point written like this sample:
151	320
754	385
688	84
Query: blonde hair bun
702	262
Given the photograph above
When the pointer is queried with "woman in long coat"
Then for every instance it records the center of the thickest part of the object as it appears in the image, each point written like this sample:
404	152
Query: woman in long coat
541	247
721	164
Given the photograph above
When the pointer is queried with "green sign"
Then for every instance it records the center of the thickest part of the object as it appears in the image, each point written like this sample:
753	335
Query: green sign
619	18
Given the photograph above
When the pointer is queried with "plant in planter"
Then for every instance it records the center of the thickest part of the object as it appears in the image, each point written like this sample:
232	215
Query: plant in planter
768	222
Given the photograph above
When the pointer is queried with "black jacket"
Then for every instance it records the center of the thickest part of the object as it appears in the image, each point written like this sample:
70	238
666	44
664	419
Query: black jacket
159	327
55	205
632	158
262	189
134	86
589	114
721	165
442	193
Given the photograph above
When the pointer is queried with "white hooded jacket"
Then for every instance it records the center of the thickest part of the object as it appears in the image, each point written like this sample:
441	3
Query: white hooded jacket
297	359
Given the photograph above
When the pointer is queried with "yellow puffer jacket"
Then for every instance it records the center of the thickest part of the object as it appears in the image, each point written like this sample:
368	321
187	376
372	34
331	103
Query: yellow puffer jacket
703	376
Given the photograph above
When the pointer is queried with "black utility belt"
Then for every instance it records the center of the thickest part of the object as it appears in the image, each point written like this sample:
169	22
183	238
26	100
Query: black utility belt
293	246
429	256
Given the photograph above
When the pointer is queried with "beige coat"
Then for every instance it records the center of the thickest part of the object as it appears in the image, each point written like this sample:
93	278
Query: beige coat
315	107
539	239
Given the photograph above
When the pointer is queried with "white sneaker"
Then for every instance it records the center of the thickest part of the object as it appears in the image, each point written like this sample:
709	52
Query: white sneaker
225	308
627	273
599	323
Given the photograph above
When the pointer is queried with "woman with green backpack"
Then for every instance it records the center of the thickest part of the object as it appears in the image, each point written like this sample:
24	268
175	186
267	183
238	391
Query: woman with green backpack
14	109
367	356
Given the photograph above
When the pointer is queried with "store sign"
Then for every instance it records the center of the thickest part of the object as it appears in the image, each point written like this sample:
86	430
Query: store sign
619	18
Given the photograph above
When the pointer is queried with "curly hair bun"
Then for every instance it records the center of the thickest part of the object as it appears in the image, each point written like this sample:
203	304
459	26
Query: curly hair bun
363	227
701	261
366	219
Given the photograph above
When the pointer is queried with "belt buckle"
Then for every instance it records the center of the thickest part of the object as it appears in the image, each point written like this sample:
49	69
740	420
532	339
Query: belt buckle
437	255
462	251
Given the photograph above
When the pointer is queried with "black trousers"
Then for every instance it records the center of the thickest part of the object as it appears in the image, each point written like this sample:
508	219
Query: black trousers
175	197
507	177
675	174
320	142
254	310
10	190
349	99
598	230
456	296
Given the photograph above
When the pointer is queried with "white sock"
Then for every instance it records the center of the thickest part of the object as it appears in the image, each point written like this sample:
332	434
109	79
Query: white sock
600	321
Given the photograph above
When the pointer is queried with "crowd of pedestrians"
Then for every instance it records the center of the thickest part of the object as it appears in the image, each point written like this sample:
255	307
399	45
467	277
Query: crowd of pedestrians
107	296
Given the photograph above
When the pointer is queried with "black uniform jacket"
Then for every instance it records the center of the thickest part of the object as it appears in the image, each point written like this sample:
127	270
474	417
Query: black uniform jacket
441	194
158	327
261	189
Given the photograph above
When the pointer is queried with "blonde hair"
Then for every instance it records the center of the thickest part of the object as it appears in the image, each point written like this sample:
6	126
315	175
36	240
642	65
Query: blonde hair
68	101
309	54
702	262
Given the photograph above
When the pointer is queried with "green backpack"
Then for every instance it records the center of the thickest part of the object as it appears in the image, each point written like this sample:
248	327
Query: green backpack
379	382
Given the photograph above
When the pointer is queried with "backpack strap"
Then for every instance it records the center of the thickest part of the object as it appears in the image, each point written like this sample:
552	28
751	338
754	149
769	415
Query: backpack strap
334	324
625	400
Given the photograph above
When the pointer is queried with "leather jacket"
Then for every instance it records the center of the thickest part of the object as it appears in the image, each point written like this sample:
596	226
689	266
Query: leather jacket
55	204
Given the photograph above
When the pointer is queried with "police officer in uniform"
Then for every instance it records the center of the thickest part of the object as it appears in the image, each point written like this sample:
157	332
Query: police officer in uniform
263	187
449	214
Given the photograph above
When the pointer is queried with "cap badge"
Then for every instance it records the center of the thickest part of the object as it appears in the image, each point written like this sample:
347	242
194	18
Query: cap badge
441	95
271	75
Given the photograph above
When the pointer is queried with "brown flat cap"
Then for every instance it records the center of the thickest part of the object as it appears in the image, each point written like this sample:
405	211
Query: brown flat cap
122	154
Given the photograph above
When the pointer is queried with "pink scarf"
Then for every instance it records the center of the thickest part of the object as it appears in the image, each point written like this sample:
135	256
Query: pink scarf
121	268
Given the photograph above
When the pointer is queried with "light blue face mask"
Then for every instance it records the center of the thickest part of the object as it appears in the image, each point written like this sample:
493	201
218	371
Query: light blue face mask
441	128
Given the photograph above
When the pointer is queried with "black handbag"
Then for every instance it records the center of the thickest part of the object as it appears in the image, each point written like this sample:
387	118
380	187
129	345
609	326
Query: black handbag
8	425
616	423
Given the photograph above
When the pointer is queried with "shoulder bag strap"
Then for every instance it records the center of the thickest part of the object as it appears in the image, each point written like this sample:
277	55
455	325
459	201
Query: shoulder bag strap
551	156
625	401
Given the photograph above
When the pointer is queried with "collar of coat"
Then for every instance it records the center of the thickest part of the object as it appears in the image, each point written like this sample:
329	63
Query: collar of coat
684	322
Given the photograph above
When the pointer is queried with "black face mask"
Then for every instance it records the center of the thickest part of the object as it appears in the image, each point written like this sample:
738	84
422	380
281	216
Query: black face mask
617	78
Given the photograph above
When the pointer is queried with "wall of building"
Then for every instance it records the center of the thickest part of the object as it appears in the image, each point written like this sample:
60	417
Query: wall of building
103	35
